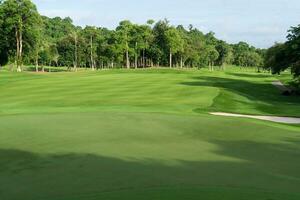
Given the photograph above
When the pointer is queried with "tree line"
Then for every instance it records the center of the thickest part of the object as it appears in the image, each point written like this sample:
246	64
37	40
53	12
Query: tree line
27	38
283	56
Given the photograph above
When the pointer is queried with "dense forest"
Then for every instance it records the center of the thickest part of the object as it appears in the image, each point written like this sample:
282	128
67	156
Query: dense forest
27	38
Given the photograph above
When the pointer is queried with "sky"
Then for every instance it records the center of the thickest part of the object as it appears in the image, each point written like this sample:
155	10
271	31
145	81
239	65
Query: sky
261	23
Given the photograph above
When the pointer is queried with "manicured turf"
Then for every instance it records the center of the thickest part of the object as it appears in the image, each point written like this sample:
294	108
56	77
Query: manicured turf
145	135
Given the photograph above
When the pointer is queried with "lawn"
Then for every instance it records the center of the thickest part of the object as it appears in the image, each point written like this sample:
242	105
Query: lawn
144	135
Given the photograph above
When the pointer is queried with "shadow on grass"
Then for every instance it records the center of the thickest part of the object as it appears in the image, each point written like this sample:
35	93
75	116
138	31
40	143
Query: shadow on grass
248	75
262	96
261	171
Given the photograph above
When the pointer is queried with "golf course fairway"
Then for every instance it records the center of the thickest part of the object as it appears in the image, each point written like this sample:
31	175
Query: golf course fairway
145	135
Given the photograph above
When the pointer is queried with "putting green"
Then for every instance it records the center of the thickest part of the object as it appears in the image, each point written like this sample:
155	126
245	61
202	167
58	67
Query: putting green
145	135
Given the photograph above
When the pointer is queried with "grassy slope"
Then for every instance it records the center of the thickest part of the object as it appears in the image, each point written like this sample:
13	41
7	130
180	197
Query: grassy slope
145	135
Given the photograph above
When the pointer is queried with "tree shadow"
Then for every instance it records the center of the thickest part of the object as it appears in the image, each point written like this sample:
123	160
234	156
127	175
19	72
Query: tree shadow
262	96
249	75
258	171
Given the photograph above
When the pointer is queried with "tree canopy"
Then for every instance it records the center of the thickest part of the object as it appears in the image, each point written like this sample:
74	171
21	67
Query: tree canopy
58	42
19	21
287	55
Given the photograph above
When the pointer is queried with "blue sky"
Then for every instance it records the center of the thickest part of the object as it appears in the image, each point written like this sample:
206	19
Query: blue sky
259	22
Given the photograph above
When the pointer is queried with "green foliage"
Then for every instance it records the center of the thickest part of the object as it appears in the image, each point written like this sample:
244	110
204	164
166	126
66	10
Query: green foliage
56	28
246	56
293	46
275	58
283	56
4	40
65	49
225	53
212	54
52	41
174	42
19	21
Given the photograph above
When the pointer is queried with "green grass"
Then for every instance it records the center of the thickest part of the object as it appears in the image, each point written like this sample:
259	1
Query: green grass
146	135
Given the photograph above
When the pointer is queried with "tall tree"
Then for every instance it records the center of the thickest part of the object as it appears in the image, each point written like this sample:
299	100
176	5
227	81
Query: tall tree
20	18
4	39
282	56
182	53
37	49
174	43
91	35
65	48
141	38
74	36
213	55
294	49
224	52
196	48
159	31
123	33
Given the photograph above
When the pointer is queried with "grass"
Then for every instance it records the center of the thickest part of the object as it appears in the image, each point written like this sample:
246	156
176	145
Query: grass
146	134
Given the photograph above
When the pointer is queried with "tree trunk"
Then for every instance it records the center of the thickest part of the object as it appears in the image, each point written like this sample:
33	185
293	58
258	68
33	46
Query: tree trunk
92	56
144	64
21	51
181	62
37	64
19	41
76	55
170	59
18	49
49	68
127	57
112	64
136	58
